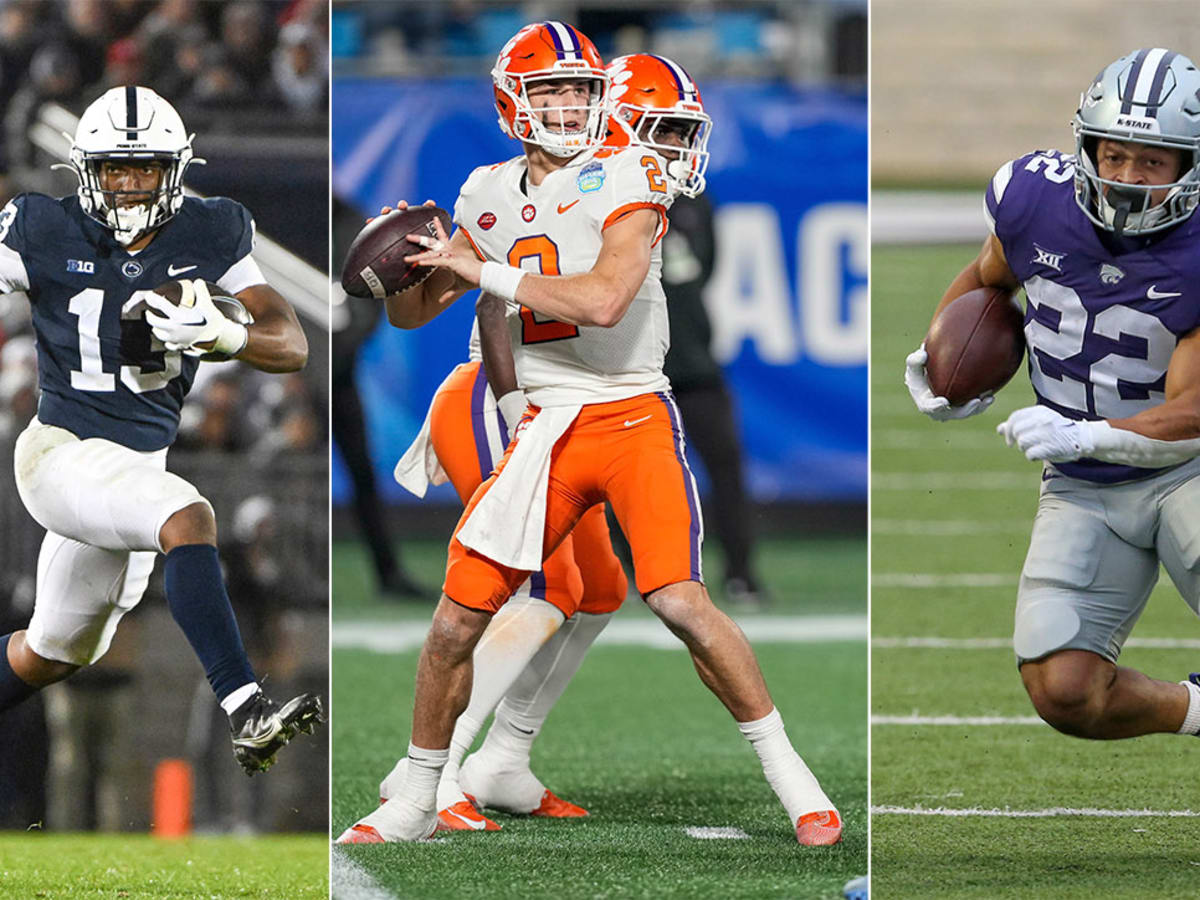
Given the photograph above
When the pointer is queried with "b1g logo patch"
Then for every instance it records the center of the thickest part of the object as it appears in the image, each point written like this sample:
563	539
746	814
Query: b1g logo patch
131	269
82	266
486	221
590	177
528	212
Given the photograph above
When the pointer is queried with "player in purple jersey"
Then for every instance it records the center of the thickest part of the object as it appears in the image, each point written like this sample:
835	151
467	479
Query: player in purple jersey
115	360
1106	245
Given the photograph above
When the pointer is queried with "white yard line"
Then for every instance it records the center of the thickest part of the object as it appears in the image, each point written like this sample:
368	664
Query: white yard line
956	720
956	481
926	580
712	833
933	439
395	637
1050	812
949	527
350	881
995	643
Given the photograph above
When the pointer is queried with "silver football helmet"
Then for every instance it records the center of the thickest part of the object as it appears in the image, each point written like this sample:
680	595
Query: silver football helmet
1151	96
129	124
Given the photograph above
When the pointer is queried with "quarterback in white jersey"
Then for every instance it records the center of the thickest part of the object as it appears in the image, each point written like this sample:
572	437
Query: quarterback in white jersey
568	235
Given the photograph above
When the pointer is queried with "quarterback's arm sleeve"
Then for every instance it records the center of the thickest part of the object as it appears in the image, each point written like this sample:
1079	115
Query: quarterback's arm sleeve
1119	445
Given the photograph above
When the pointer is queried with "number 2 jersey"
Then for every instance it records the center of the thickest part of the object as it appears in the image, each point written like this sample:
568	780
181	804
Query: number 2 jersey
100	370
1100	326
556	228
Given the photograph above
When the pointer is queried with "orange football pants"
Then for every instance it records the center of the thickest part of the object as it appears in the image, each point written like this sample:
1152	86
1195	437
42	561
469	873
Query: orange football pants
628	452
583	574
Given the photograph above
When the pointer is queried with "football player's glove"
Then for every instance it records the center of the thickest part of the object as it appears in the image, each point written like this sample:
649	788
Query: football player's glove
512	406
1043	434
937	408
194	321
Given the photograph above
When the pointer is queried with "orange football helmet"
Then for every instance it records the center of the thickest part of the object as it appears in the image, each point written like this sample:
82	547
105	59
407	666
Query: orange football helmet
539	52
654	103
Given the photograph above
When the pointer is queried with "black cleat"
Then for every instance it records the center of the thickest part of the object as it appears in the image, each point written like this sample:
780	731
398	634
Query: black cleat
261	726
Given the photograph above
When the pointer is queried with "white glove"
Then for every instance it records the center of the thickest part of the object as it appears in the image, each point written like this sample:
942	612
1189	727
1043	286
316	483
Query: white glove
512	406
195	320
937	408
1043	434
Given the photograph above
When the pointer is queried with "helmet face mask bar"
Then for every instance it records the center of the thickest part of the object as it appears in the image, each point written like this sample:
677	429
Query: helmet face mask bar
1151	98
655	104
130	126
549	52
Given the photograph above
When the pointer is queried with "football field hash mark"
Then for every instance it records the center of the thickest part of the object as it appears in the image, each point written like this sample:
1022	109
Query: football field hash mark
956	720
350	881
922	580
713	833
1051	812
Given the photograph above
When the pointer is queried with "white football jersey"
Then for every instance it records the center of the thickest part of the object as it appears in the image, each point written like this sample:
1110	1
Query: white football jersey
556	228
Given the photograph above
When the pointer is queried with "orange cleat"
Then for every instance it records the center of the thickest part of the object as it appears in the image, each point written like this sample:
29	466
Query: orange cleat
553	807
819	829
462	816
360	834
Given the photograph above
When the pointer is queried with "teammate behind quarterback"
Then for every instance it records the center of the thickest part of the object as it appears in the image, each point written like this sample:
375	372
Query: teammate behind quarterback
115	361
567	233
1106	244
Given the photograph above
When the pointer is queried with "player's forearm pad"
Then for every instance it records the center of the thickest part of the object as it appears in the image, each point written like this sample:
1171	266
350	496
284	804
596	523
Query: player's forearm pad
1117	445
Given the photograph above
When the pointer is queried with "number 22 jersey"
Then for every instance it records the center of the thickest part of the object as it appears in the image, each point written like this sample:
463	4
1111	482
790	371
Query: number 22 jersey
1100	326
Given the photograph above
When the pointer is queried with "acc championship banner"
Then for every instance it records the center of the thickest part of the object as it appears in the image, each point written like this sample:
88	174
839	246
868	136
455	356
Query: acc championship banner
788	299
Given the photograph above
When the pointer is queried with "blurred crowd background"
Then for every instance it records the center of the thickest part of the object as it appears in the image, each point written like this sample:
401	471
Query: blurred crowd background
250	79
768	271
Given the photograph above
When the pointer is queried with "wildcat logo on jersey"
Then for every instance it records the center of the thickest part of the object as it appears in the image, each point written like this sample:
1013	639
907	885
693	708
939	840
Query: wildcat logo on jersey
84	266
1048	258
486	220
590	177
131	269
1110	274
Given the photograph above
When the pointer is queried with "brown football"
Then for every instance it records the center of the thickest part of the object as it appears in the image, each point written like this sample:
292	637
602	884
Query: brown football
975	345
375	266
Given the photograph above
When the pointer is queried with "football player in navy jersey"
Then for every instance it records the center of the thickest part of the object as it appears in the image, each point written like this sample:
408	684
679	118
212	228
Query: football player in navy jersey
115	361
1106	244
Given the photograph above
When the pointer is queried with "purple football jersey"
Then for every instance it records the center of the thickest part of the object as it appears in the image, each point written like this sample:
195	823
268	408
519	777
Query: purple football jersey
1100	326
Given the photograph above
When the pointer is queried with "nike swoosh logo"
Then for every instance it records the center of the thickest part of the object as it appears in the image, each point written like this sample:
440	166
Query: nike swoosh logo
172	271
473	825
563	209
1152	294
629	424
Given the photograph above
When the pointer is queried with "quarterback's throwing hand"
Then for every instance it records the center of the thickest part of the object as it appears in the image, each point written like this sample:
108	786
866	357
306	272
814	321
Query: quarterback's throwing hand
441	253
937	408
1043	434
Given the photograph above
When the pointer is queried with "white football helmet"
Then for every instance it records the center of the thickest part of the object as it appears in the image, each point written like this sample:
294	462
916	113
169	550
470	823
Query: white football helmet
131	123
1150	96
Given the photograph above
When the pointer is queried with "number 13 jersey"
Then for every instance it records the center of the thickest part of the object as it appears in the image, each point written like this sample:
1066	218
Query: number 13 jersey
556	228
1100	326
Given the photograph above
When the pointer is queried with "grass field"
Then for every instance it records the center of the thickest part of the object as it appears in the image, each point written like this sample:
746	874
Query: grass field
84	866
638	741
1009	808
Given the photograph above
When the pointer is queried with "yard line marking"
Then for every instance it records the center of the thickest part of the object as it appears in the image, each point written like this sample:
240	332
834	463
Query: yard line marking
350	881
925	580
1053	811
948	527
914	439
956	720
711	833
395	637
956	481
945	643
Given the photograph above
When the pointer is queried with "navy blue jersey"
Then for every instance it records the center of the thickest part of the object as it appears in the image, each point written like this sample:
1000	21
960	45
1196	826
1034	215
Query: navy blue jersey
1100	325
100	370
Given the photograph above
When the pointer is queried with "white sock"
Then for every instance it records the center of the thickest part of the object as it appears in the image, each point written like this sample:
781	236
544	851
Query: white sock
235	699
1191	722
424	770
523	711
790	779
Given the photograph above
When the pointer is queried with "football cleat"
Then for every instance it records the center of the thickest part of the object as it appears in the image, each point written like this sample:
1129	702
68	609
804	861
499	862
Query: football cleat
819	829
463	816
456	812
554	807
390	823
260	727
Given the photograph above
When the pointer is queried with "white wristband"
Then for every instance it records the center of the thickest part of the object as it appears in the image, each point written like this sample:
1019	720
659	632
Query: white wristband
501	280
232	339
512	406
1117	445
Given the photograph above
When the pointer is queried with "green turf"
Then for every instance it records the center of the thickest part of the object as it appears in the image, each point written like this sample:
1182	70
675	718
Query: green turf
638	741
948	500
81	866
648	751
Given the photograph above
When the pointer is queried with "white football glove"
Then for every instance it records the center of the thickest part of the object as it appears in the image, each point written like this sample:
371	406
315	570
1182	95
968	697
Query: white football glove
937	408
1043	434
195	320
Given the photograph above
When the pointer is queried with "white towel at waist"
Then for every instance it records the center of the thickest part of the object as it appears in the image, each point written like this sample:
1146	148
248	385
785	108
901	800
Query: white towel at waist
507	524
419	467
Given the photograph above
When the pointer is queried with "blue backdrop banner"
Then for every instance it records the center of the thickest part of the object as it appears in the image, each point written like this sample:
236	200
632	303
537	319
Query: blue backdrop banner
788	298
